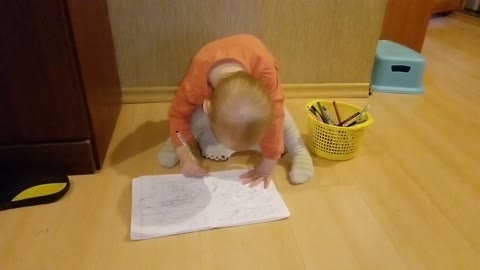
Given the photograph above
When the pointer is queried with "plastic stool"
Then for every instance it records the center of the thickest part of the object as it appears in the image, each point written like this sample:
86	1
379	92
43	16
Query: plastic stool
397	69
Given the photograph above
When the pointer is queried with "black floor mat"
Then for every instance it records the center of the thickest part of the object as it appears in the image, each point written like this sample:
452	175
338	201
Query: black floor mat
28	189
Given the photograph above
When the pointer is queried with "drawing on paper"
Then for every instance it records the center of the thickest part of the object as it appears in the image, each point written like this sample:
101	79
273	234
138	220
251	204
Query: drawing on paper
166	205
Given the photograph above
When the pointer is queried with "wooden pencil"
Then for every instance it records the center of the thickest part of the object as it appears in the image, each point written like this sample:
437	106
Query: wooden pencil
336	112
348	119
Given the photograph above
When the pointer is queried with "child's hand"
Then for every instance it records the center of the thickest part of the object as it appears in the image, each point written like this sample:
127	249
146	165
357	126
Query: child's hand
190	167
261	173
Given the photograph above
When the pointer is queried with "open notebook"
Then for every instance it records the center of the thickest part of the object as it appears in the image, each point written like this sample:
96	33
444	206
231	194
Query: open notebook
173	204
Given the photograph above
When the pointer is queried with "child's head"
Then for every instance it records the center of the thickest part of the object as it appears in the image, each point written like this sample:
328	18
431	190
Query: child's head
240	111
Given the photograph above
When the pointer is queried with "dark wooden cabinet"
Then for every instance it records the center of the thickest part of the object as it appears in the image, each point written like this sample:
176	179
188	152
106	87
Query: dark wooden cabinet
59	86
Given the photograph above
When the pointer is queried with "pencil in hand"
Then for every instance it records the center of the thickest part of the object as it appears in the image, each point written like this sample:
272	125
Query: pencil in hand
184	143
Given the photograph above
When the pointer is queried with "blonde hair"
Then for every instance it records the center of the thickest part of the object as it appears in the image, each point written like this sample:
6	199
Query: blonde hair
241	109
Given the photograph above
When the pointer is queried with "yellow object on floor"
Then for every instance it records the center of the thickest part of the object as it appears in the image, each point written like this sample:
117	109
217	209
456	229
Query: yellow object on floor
39	191
336	142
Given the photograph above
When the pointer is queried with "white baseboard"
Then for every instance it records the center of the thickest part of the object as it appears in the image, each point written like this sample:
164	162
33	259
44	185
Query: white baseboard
327	90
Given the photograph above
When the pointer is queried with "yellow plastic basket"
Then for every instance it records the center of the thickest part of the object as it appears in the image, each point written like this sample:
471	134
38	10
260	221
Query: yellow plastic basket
333	142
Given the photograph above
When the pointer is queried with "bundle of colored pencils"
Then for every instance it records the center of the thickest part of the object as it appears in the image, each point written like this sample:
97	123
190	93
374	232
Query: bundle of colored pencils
322	114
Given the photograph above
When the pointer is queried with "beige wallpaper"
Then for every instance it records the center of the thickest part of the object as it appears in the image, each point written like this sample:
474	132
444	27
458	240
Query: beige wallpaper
315	41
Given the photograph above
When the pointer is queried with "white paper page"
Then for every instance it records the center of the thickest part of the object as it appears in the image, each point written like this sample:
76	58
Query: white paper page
235	204
167	205
173	204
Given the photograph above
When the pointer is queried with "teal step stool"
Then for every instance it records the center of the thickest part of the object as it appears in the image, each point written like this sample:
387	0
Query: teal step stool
397	69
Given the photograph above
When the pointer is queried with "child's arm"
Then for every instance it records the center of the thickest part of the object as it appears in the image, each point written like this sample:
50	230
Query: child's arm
179	115
272	145
272	148
181	110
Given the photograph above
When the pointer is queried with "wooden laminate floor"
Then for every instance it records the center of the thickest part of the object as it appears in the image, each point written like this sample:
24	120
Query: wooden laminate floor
409	200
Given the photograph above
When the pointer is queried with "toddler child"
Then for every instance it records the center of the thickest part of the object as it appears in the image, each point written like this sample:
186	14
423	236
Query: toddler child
231	99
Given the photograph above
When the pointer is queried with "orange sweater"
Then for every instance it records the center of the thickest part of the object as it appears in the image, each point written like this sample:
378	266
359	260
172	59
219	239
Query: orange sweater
195	88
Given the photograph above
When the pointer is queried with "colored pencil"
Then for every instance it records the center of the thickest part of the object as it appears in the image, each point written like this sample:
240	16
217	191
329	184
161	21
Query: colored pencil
184	143
336	112
348	119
